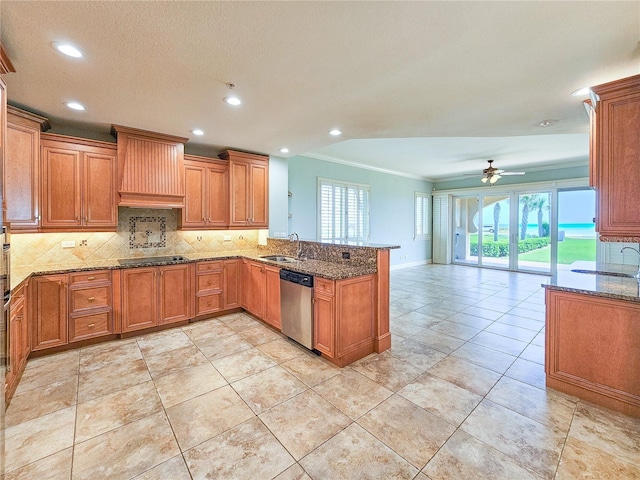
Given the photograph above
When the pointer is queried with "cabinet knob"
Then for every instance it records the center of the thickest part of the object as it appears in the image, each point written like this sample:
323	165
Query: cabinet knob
91	278
91	299
91	325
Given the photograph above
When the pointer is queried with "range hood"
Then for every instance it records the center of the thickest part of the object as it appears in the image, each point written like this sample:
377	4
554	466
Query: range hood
150	168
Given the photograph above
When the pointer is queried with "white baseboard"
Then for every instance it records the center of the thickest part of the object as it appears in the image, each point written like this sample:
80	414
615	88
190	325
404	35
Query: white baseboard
410	264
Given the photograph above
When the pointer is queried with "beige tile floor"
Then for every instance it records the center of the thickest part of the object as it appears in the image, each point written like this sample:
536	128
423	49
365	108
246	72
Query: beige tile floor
460	394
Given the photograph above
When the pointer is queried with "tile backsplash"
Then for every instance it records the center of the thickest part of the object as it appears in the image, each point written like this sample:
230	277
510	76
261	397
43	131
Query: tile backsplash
141	233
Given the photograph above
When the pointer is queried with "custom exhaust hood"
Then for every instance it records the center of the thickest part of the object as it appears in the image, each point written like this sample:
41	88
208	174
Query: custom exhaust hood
150	168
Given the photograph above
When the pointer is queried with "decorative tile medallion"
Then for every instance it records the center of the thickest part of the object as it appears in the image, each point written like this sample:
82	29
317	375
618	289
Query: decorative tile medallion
147	232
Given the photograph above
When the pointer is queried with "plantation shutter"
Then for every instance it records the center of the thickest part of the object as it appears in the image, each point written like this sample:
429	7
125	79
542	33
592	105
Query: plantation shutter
422	216
441	230
344	211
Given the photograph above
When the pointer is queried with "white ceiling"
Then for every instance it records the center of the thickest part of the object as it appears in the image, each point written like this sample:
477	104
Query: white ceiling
428	89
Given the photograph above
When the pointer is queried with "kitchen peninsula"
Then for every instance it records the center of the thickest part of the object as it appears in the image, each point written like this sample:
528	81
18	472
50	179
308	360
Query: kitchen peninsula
99	300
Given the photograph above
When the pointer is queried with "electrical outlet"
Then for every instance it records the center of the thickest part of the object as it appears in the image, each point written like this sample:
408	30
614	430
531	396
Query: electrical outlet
83	243
199	238
68	243
346	255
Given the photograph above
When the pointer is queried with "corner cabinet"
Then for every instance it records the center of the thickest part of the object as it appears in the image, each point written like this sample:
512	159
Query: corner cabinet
345	318
206	203
615	158
22	169
261	291
20	346
248	189
78	184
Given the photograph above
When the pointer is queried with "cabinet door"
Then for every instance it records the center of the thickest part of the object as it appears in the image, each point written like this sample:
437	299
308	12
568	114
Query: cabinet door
60	187
194	212
272	297
238	184
217	197
175	293
16	337
21	176
231	283
259	195
139	299
99	202
49	311
255	293
355	314
323	324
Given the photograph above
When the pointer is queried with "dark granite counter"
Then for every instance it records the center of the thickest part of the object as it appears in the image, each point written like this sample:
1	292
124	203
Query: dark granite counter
600	284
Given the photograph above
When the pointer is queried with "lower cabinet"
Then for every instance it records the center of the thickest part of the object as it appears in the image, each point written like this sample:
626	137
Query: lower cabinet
231	283
209	283
261	291
592	349
344	318
49	307
19	346
154	296
90	305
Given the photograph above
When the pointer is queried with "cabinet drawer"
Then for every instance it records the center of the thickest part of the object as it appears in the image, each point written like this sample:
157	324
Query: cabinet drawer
90	326
209	303
208	282
90	298
324	286
208	266
90	277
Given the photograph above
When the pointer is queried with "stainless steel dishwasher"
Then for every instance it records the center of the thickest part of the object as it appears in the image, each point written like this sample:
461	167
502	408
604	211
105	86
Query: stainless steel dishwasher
296	297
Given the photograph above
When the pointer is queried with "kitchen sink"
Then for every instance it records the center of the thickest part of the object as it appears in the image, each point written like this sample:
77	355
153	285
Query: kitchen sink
279	258
599	272
151	260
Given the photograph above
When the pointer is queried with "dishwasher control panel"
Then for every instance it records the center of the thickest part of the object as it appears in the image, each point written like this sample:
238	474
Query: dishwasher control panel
295	277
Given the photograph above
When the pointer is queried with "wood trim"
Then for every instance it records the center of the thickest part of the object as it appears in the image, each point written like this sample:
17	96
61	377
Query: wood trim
383	336
616	85
22	117
136	132
243	156
5	62
208	160
69	142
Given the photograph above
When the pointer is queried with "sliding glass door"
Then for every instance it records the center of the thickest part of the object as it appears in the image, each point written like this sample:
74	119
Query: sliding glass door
534	244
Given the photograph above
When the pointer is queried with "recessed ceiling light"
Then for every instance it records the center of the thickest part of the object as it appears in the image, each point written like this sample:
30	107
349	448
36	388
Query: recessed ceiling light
581	92
232	98
284	150
75	106
197	131
335	132
67	49
545	123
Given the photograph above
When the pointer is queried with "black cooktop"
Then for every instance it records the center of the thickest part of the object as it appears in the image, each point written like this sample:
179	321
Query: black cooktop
150	260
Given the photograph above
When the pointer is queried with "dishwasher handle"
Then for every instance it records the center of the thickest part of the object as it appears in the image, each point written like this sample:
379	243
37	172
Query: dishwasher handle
295	277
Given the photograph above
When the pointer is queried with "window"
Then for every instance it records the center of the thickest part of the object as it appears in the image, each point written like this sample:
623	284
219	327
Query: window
344	211
421	231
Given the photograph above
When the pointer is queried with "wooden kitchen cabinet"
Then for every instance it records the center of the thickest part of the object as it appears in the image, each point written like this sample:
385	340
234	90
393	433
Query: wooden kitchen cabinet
49	311
231	283
90	305
174	293
206	194
272	296
19	345
209	287
21	179
615	154
345	318
592	349
139	298
78	184
248	189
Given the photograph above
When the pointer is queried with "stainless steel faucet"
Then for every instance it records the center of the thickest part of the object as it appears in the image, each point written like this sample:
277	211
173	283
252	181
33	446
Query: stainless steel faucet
295	238
638	252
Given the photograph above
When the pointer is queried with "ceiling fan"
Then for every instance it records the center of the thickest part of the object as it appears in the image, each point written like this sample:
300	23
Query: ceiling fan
492	174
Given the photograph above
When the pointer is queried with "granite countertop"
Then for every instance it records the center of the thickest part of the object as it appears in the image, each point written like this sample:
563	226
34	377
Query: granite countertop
598	284
328	270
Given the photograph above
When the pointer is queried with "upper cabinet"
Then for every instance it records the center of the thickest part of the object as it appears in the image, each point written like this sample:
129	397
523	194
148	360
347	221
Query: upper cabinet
206	203
248	189
22	169
615	158
78	184
150	168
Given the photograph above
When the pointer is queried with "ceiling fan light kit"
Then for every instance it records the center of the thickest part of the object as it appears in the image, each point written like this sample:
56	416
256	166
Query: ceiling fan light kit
492	174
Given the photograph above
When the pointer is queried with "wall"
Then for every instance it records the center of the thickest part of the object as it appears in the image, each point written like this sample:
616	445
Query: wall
278	198
139	234
391	212
547	175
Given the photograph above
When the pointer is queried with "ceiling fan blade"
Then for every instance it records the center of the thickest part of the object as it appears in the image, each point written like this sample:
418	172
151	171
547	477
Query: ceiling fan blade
512	173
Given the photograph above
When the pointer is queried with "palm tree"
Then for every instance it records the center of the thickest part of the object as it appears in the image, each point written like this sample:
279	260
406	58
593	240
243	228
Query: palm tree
540	204
527	202
496	220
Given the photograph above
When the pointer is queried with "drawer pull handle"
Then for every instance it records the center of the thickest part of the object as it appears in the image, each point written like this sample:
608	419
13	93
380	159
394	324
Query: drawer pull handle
91	299
91	325
91	278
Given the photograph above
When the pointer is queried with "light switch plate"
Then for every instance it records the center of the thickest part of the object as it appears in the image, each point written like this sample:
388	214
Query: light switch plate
227	238
68	243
